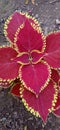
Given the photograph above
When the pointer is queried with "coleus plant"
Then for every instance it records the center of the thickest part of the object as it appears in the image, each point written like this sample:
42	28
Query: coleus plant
31	65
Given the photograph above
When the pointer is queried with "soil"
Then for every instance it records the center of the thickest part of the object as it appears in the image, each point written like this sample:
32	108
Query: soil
13	115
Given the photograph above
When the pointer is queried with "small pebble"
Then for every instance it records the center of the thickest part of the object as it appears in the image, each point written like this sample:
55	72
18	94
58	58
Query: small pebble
46	30
3	119
15	115
59	27
57	21
25	128
2	20
43	125
36	16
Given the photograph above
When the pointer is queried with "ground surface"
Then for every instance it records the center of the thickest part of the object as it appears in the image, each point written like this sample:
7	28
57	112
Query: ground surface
13	115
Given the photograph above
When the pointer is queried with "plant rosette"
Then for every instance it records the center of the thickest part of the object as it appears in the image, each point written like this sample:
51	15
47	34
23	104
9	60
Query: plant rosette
34	59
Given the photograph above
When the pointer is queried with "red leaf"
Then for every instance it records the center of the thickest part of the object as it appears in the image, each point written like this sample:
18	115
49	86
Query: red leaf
12	24
57	106
28	38
36	56
15	90
8	67
52	52
22	58
35	77
40	104
55	75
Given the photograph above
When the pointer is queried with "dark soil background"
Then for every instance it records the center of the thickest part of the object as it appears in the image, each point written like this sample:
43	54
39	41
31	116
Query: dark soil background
13	115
